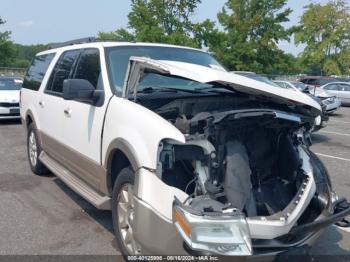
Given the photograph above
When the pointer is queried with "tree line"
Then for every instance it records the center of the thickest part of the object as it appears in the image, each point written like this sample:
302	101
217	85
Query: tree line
246	35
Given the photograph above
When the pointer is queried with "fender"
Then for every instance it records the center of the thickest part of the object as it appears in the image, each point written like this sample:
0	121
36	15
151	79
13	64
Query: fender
126	148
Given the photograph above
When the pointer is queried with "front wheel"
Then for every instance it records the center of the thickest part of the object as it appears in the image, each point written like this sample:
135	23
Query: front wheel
123	212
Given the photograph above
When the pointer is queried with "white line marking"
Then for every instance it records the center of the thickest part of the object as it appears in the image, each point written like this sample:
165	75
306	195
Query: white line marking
334	157
338	121
346	229
334	133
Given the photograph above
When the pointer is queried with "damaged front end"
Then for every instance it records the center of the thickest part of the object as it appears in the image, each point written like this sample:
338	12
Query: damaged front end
251	180
250	177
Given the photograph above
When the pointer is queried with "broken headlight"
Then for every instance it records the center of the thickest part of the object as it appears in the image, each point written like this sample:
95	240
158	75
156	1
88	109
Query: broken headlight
217	233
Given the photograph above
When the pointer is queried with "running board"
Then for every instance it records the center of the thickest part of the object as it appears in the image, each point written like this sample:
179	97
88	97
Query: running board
76	184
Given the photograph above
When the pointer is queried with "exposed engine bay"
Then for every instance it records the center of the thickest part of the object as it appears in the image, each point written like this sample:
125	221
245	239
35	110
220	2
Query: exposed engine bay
252	161
251	164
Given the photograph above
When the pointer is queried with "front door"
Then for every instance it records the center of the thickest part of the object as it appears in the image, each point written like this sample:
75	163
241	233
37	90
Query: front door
83	123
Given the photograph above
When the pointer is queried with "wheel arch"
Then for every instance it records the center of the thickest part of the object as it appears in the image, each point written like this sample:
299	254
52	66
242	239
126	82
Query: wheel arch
30	119
120	154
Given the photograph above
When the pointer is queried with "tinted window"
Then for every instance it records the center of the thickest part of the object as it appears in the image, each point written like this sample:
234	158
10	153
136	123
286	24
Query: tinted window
118	59
88	67
36	71
62	71
313	82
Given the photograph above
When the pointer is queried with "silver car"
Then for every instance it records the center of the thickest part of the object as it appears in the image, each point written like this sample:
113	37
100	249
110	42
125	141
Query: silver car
339	89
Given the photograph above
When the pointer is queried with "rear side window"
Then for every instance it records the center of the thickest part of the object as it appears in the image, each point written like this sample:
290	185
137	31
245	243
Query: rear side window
332	87
37	71
62	71
88	67
344	87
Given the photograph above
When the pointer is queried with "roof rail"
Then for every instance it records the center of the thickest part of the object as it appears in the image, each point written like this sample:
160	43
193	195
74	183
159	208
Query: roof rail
85	40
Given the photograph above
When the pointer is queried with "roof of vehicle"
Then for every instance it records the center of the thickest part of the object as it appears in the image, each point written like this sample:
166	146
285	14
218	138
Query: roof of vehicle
332	83
112	44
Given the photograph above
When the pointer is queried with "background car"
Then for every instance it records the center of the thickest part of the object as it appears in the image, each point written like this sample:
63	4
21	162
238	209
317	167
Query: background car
320	121
293	84
255	76
9	97
331	102
339	89
316	81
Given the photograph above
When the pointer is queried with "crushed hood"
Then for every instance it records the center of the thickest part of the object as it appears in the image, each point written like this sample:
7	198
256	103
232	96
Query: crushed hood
139	67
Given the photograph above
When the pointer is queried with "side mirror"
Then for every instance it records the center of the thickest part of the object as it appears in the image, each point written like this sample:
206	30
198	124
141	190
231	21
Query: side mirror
83	91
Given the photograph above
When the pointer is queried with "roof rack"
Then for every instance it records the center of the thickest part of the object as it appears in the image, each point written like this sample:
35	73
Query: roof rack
75	42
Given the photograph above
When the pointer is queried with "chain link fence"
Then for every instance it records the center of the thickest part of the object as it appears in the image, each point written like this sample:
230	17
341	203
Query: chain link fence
8	71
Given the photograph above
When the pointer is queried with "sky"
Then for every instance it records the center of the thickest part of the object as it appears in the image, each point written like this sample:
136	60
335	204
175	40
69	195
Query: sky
47	21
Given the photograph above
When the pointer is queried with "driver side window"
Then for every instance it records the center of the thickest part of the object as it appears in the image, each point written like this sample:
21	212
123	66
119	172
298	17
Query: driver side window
61	72
89	68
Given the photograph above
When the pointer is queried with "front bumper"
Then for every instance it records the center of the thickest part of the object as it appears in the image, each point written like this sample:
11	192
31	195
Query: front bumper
10	113
332	107
158	235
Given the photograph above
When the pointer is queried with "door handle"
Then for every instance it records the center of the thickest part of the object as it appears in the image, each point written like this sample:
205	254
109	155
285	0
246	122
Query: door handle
41	104
68	112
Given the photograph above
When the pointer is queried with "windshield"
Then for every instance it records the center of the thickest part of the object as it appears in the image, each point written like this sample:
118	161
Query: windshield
301	86
118	60
10	84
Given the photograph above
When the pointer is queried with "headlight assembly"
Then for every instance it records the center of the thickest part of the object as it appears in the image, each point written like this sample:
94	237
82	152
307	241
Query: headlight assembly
223	234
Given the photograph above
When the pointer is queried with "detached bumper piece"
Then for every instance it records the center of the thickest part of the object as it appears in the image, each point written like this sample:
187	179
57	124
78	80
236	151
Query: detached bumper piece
213	232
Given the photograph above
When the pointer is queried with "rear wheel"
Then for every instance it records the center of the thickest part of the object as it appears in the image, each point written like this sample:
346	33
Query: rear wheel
33	151
123	212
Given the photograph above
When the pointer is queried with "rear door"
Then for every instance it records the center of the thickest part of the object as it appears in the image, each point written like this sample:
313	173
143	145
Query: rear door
344	93
83	123
333	89
51	106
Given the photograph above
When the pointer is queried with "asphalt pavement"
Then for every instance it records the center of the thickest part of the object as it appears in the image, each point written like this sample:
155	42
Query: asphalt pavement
42	216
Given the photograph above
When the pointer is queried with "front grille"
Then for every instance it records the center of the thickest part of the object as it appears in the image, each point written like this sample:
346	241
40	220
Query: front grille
9	104
12	114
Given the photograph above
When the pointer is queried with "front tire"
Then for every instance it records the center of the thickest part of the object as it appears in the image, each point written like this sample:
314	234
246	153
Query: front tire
123	212
33	150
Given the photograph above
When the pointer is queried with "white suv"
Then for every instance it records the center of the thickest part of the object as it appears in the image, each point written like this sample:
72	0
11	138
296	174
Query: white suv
190	158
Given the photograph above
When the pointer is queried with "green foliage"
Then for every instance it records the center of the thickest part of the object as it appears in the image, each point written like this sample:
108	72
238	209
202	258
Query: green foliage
28	52
325	29
161	21
6	47
252	31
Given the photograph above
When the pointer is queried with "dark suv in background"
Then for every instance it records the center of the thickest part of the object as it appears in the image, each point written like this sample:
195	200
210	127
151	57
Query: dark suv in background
316	81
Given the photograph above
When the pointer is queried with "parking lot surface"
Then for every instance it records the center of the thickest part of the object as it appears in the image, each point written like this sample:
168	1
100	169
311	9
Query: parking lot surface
40	215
